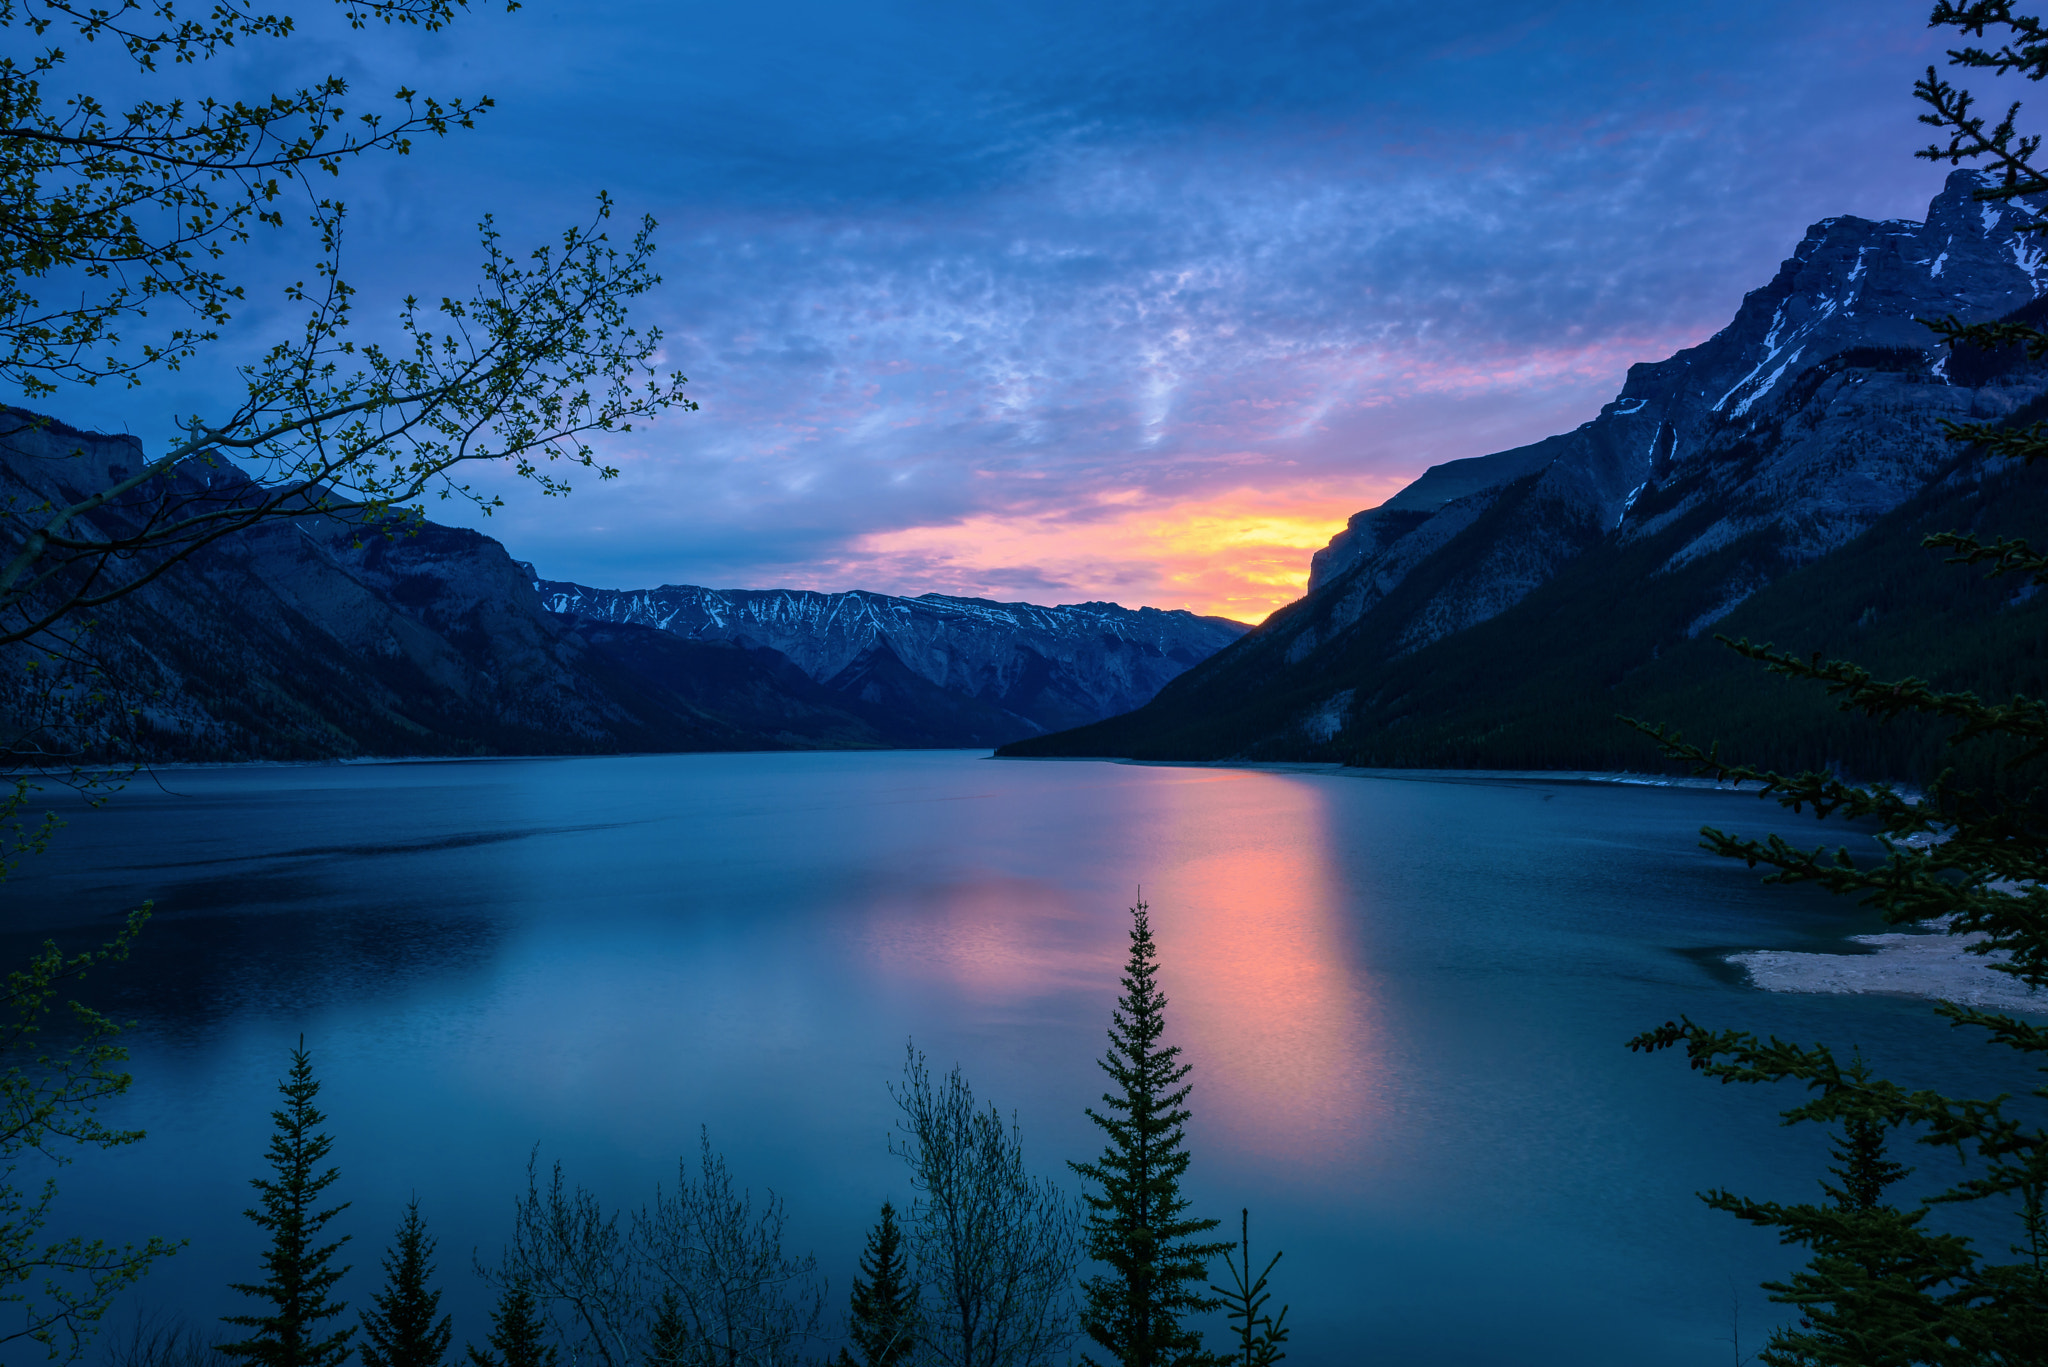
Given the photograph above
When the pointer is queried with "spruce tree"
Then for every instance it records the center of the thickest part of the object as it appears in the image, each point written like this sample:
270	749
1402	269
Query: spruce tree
518	1337
1258	1334
298	1269
1137	1225
882	1320
668	1341
400	1331
1869	1295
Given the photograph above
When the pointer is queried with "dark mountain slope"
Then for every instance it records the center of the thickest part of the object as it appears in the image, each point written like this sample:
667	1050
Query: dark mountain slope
877	683
1541	686
1462	631
321	638
324	638
757	694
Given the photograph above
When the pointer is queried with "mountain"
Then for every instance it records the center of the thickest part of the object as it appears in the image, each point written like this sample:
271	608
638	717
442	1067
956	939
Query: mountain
1500	610
323	638
326	638
1000	670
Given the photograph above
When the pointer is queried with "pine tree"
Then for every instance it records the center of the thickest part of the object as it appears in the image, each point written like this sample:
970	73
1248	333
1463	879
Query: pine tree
298	1268
1258	1334
1138	1225
882	1321
668	1341
517	1334
400	1331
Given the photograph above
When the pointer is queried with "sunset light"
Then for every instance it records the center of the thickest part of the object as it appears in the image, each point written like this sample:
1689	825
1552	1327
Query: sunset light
1240	554
749	757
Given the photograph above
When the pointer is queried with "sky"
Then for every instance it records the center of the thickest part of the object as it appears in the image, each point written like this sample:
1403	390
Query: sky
1057	302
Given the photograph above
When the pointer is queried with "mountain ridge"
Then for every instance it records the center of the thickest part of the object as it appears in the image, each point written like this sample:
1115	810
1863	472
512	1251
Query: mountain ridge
1775	443
1048	667
327	637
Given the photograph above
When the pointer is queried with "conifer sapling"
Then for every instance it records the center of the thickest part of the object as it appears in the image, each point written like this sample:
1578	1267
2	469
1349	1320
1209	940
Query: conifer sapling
668	1340
400	1331
518	1337
1138	1225
882	1322
1259	1335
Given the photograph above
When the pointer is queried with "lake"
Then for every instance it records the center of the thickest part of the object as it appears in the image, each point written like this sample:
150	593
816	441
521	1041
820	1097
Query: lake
1405	1003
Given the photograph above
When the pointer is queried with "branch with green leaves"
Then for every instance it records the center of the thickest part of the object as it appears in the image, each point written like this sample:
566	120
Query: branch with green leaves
540	358
49	1098
106	213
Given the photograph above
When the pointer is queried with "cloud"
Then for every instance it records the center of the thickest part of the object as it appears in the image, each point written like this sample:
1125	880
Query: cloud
1235	554
1059	300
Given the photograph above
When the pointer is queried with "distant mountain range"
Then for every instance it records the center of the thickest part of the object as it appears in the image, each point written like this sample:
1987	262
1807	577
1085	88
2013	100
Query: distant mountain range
1772	482
323	638
1013	667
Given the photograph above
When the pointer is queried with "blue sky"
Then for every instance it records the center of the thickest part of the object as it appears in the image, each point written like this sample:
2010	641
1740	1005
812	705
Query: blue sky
1057	301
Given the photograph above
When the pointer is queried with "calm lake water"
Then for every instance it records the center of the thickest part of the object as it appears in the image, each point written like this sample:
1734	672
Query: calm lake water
1405	1002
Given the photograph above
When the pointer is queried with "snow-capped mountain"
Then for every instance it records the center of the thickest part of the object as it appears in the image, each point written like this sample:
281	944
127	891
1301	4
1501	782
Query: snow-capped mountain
1049	667
1816	411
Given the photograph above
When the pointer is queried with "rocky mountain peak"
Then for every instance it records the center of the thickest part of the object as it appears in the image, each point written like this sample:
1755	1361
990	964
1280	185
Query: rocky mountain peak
1820	409
1851	285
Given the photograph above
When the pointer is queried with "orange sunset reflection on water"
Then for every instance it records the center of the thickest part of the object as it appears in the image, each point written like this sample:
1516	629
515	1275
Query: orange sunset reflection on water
1258	958
1000	939
1257	954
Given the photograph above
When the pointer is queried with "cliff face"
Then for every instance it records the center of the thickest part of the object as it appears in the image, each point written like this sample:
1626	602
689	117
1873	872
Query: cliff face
1045	668
1850	286
1770	446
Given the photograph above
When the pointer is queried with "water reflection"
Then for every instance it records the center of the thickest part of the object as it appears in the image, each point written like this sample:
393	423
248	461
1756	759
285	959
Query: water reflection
1257	950
1404	1003
989	935
191	974
1260	963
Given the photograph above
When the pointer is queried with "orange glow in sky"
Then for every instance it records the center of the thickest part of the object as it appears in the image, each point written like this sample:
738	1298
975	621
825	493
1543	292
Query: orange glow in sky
1240	554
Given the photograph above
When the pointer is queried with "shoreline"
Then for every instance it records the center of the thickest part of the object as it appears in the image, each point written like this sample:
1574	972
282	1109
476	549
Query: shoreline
1622	778
1331	768
1327	768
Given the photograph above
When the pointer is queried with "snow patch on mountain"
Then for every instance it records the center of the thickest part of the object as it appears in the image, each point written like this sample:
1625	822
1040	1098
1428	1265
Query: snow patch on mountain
1054	666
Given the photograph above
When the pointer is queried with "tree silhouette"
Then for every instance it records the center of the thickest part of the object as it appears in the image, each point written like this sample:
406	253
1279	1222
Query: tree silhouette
400	1331
1138	1223
299	1270
883	1318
